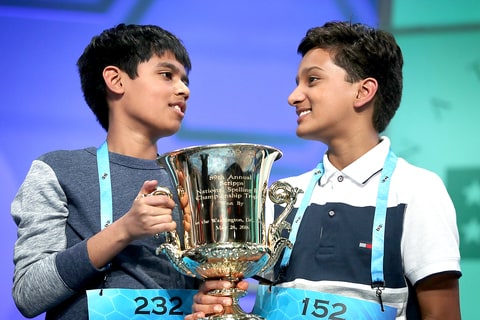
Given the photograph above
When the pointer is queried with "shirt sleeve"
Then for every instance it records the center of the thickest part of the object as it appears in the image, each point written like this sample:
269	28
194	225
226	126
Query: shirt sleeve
40	212
430	243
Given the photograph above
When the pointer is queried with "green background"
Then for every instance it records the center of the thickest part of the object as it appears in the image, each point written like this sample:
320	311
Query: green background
437	126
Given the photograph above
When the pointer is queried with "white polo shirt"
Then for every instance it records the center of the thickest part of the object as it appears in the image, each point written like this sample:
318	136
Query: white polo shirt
332	252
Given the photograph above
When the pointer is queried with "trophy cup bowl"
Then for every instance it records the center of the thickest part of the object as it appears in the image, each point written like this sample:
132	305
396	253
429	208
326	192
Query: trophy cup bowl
222	190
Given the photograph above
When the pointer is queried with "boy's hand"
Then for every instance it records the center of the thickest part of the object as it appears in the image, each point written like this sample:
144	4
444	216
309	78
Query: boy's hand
205	304
149	214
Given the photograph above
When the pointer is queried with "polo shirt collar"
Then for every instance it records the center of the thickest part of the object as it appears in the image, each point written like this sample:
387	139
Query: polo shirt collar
362	169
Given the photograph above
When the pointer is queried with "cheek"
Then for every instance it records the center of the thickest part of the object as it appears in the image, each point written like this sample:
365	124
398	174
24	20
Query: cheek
324	97
338	95
161	91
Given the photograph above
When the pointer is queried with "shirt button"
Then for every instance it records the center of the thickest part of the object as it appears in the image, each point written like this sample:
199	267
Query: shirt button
331	213
340	178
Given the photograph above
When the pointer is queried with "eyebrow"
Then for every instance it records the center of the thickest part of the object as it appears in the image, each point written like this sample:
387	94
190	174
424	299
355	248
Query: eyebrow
306	71
174	69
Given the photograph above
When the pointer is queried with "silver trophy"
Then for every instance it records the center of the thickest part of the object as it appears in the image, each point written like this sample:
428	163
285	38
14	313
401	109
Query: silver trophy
222	190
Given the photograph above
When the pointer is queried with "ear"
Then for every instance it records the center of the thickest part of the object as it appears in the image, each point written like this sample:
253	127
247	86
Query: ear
113	79
367	88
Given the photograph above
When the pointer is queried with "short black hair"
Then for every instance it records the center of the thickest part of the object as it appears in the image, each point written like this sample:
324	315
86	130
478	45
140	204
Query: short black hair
123	46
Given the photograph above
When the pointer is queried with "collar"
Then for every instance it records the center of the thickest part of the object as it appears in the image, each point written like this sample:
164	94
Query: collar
362	169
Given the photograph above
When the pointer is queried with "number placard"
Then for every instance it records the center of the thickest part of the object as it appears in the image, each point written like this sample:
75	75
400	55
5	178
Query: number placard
277	303
139	304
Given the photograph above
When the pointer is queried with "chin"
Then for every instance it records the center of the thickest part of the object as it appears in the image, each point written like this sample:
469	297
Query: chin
168	132
301	134
306	135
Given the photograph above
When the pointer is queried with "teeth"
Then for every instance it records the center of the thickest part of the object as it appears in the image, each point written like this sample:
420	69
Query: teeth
176	107
304	112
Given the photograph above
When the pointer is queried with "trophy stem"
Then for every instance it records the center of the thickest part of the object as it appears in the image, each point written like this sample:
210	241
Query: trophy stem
235	311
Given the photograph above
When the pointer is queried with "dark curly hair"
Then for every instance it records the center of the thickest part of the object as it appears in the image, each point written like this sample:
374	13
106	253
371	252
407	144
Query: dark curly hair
363	52
124	46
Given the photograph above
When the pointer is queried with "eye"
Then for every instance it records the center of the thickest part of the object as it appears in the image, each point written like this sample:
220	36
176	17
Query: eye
312	79
167	75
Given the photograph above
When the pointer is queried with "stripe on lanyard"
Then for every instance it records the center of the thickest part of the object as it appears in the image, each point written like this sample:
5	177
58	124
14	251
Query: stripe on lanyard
106	206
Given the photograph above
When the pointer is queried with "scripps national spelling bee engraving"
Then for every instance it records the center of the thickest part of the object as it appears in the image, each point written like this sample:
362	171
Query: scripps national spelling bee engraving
222	191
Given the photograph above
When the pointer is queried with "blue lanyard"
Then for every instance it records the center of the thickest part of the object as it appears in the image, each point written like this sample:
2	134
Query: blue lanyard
317	174
378	229
106	206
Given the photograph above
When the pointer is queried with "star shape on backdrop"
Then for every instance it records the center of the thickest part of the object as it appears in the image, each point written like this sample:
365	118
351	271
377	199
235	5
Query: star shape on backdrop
471	231
472	193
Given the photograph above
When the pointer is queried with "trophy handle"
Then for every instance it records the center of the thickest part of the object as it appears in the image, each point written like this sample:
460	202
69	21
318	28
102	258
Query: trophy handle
280	192
171	237
175	255
172	245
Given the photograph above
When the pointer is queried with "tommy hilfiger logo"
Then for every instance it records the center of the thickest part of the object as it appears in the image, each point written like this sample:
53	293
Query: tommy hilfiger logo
365	245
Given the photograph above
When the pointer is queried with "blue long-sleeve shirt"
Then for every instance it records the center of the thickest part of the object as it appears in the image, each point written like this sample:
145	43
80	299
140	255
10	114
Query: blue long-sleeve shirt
57	209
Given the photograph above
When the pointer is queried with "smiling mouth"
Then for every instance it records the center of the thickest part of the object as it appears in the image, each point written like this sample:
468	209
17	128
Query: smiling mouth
179	108
304	112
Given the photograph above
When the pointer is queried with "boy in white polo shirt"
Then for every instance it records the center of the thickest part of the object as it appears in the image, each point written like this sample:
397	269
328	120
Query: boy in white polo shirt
374	237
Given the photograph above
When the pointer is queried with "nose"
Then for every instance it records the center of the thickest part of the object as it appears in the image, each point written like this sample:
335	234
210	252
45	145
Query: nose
181	89
295	97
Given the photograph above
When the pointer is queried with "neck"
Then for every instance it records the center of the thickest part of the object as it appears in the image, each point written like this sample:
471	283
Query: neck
132	146
343	153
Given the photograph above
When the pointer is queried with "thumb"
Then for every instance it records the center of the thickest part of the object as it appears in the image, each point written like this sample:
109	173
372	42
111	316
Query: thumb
148	187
